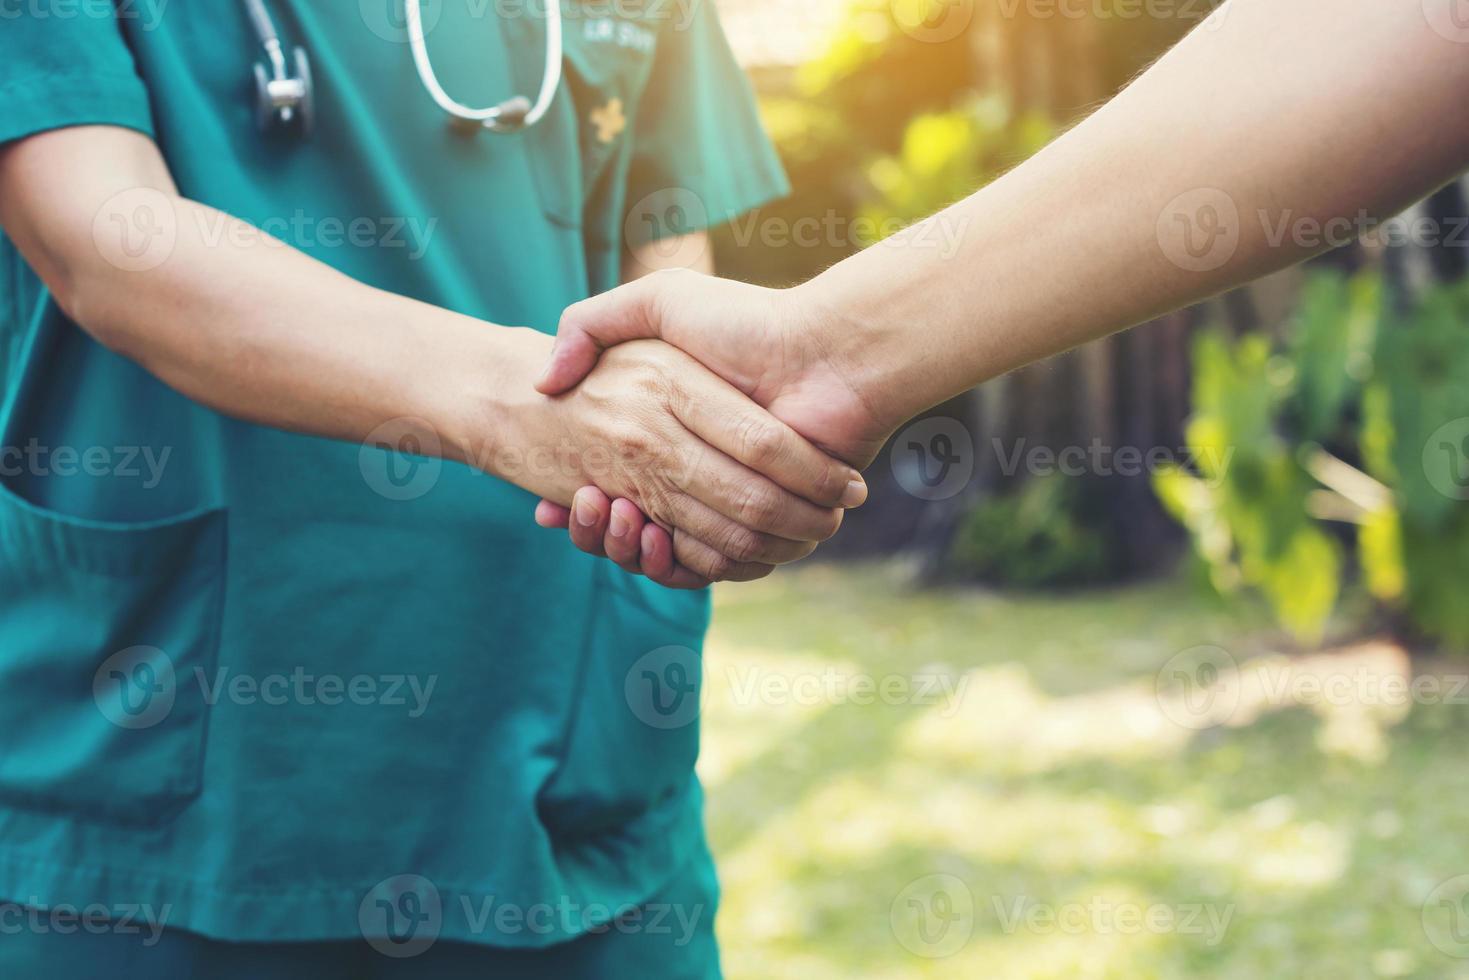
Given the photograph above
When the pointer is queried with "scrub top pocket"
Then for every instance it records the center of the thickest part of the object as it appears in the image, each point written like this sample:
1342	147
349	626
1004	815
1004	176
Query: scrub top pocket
635	738
106	633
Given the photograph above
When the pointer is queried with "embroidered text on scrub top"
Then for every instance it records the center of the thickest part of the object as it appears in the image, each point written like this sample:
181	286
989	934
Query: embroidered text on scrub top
624	34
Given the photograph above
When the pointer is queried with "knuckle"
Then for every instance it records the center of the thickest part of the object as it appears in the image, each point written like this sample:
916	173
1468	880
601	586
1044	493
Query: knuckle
832	483
650	379
572	317
761	443
714	567
634	441
668	278
655	500
760	506
743	545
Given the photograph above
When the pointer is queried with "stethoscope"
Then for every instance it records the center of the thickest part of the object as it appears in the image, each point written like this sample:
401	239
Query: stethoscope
283	98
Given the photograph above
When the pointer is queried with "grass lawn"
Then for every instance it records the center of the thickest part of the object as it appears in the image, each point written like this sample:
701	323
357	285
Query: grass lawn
1134	784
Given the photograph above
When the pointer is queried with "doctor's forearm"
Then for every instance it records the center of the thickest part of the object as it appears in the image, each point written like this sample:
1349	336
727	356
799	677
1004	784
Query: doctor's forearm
1268	121
227	315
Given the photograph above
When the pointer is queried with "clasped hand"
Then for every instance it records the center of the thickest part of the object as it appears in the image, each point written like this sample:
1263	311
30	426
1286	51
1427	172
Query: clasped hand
740	460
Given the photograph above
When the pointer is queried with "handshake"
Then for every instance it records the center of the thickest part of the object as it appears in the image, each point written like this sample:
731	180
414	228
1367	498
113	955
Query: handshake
738	435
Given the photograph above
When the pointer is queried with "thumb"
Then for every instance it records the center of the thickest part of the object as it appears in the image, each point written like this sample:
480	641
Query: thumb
590	327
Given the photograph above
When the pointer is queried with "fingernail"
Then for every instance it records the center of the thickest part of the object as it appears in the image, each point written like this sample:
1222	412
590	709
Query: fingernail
855	495
619	525
586	514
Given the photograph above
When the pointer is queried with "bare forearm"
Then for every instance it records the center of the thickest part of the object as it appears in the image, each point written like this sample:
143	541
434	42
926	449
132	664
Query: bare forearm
228	315
262	332
1273	118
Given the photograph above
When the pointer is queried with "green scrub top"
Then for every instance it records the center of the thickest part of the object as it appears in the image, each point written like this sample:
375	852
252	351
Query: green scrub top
293	689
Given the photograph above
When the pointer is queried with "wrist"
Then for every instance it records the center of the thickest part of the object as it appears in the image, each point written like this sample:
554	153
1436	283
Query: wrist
898	330
488	407
854	344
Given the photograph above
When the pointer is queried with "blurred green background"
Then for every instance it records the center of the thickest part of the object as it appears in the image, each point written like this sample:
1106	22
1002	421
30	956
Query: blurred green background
1198	717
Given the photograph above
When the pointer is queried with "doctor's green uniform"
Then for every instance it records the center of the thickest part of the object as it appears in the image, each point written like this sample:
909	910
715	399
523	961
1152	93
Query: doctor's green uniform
273	705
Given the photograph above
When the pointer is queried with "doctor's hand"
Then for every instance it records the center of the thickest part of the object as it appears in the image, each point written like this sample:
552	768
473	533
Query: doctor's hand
784	356
730	487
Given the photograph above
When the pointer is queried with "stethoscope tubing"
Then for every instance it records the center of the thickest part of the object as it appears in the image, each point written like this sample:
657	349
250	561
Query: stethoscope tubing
498	118
280	94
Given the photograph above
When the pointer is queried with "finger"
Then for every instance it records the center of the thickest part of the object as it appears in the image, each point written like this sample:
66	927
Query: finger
730	422
552	515
658	562
704	561
747	501
590	509
656	553
736	541
623	543
591	326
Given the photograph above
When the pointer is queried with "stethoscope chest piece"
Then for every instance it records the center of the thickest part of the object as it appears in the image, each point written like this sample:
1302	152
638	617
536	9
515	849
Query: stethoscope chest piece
288	100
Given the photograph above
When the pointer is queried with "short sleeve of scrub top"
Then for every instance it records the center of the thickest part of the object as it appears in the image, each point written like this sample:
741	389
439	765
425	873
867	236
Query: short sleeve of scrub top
67	71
